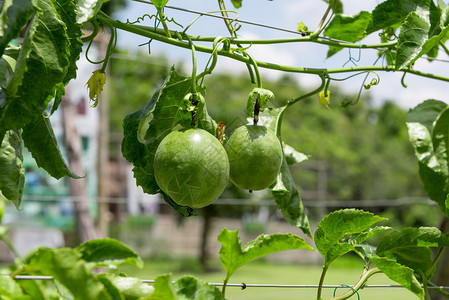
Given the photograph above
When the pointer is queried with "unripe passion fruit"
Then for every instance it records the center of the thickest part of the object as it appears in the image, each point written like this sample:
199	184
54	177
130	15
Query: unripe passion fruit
191	166
255	157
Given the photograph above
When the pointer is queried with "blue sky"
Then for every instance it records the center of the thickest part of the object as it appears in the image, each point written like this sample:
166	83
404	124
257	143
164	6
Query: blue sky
286	14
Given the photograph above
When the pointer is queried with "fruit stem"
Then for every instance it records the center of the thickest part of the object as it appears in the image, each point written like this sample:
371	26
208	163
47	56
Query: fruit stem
256	112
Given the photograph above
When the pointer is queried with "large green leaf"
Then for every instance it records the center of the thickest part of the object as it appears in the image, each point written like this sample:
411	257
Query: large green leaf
109	253
40	140
6	72
87	9
411	246
68	268
432	167
186	287
400	274
233	255
284	190
392	12
126	288
38	72
412	37
13	17
347	28
12	180
336	225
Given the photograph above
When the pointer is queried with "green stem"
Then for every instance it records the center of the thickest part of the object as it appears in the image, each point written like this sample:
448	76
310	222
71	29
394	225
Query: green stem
192	47
317	32
434	262
223	289
319	40
438	290
323	84
444	48
426	290
164	24
256	69
367	274
266	65
320	285
223	10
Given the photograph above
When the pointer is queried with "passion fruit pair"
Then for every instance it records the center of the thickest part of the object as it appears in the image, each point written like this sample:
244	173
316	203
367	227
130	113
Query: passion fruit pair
192	167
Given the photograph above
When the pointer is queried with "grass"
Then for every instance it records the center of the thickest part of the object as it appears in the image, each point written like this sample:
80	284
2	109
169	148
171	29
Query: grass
344	271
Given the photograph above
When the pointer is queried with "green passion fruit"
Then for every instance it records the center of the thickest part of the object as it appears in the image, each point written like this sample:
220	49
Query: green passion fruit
191	166
255	157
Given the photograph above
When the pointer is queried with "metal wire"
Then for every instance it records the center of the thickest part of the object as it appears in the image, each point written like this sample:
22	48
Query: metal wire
223	18
258	285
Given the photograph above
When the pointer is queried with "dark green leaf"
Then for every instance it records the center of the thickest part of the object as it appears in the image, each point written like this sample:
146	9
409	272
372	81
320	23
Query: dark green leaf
38	73
336	225
66	9
347	28
284	190
186	287
413	35
411	246
130	288
233	255
391	12
400	274
420	123
11	163
6	71
292	156
40	140
68	268
108	252
13	17
87	9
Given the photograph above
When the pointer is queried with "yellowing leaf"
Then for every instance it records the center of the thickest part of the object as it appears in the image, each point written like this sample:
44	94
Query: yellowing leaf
95	85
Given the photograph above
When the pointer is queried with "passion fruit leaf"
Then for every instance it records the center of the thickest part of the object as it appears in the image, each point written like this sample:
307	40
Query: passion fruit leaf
186	287
67	267
12	180
400	274
10	288
126	288
237	3
108	252
87	9
292	156
413	35
263	96
39	138
391	12
333	227
233	255
35	67
420	122
6	72
411	246
14	16
347	28
284	190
